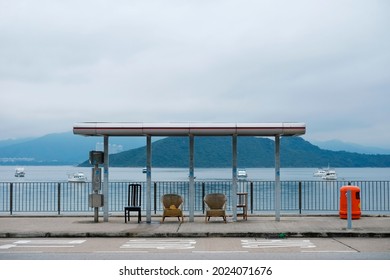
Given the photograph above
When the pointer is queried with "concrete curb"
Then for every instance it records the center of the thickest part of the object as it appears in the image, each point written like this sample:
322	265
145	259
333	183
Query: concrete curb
254	227
267	235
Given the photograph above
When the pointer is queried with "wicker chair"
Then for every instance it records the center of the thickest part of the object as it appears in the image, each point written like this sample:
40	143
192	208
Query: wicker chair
216	205
172	204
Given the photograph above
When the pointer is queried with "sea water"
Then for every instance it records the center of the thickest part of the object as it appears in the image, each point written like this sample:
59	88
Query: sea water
60	174
74	197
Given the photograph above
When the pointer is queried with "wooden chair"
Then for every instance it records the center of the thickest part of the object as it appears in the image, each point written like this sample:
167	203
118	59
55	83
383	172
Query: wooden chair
133	201
216	206
172	204
242	202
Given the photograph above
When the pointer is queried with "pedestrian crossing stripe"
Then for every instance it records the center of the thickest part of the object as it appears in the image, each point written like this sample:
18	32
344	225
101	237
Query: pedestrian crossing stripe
162	244
50	242
276	243
43	243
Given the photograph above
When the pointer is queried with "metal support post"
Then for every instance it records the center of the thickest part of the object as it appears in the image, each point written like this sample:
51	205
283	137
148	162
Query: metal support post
11	198
300	197
234	175
96	185
59	198
105	182
148	179
277	179
96	214
192	181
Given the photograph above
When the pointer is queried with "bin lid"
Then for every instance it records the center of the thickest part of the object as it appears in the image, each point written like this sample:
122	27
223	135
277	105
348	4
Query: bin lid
352	188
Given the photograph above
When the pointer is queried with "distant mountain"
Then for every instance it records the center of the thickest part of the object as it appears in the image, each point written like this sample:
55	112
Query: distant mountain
337	145
69	149
60	149
252	152
9	142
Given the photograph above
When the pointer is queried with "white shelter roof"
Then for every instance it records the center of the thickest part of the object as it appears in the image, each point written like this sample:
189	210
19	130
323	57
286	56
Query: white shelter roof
188	128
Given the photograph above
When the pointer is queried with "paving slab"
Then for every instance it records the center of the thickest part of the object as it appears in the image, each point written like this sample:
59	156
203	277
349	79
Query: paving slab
255	226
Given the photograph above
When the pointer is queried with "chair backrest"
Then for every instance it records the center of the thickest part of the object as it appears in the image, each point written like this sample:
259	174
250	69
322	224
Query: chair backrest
134	195
215	200
171	199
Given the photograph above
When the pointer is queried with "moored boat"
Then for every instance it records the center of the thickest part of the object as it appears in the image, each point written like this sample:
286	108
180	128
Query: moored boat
19	172
241	174
320	172
78	177
330	175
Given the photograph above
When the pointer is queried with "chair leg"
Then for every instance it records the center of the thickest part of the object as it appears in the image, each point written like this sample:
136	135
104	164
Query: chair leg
127	215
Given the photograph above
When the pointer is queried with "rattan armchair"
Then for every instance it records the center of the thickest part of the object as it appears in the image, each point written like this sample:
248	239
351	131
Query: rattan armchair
172	204
215	206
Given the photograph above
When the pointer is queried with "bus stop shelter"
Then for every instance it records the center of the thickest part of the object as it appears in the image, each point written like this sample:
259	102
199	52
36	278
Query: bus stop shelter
110	129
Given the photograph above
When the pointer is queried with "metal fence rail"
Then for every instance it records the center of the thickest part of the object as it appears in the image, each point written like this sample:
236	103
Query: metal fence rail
297	196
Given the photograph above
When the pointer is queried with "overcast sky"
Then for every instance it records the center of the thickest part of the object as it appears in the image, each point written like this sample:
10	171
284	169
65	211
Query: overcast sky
325	63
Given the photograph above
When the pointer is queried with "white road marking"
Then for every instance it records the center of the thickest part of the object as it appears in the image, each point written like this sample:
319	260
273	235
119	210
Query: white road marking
162	244
7	246
43	243
330	251
122	252
218	252
276	243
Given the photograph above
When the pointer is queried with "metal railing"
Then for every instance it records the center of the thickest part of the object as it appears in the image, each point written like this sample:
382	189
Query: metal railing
301	197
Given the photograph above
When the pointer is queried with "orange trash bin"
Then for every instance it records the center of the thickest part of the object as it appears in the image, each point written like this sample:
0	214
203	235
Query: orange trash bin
355	197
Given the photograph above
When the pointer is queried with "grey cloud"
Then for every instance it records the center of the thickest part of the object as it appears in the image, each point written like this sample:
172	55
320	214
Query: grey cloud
196	61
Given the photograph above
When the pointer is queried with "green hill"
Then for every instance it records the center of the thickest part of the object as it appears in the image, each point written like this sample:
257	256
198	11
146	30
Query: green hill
252	152
58	149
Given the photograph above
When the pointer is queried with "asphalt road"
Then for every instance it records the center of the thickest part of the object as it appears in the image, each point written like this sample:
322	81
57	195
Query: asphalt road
195	249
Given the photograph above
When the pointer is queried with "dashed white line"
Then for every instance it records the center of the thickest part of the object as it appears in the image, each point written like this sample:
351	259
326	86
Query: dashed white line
218	252
276	243
43	243
161	244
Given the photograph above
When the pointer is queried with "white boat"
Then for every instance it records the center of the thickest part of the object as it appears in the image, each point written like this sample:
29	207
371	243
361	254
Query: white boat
241	174
320	172
77	177
330	175
19	172
144	170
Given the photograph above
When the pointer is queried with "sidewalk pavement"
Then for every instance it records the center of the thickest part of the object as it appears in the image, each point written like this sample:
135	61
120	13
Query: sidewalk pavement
255	226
